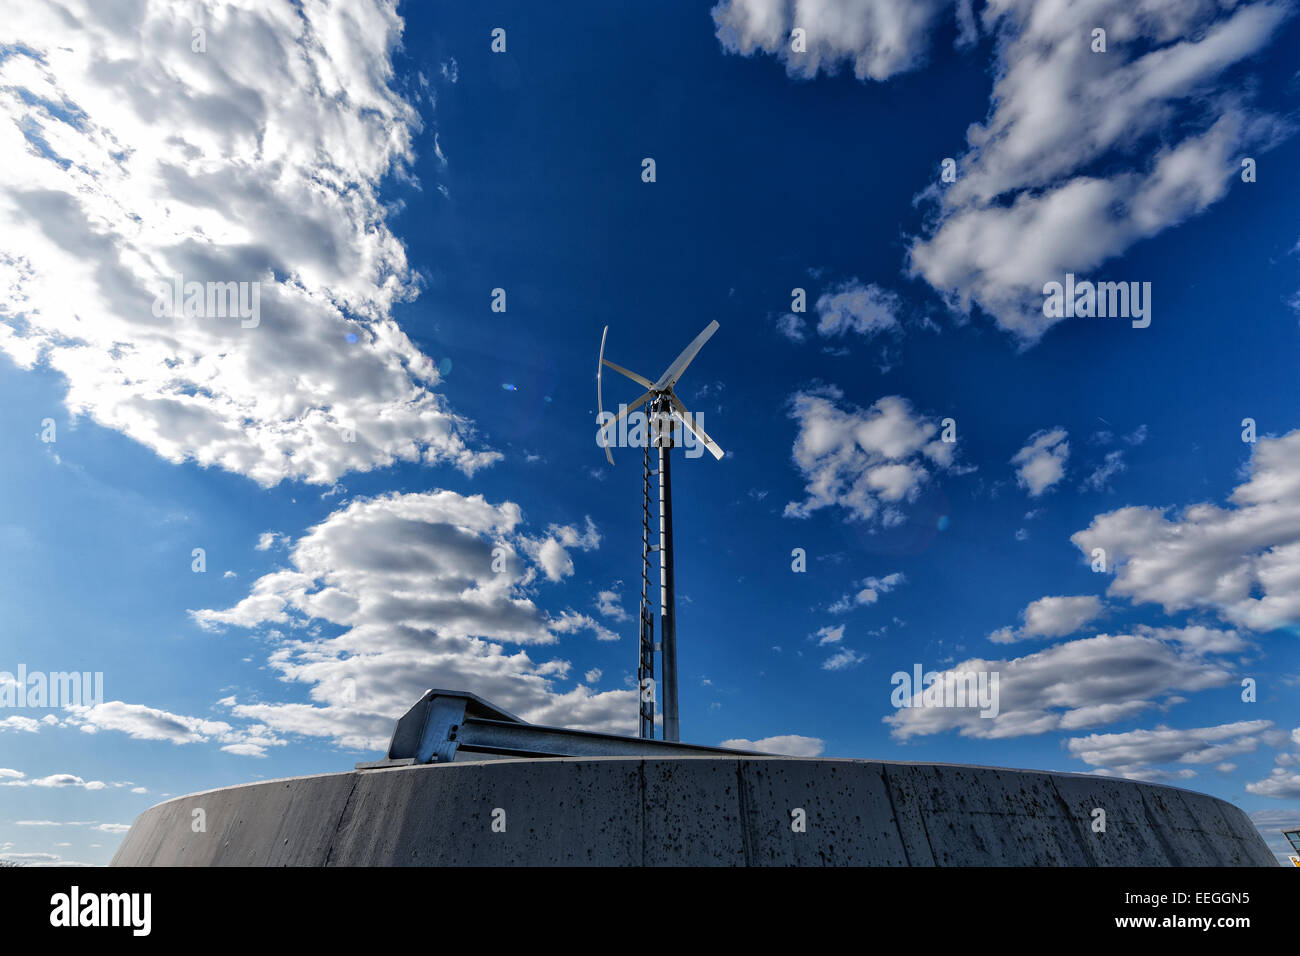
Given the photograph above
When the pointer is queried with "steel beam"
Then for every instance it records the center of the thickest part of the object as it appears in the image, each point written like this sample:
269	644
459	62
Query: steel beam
445	726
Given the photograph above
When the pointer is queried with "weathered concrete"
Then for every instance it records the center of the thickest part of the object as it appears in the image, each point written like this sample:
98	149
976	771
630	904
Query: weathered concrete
683	811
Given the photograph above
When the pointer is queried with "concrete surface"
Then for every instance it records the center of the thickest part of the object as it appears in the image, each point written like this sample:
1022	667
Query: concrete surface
684	811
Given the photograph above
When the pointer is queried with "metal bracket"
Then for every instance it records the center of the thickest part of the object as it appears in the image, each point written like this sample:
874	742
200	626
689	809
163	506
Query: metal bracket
447	725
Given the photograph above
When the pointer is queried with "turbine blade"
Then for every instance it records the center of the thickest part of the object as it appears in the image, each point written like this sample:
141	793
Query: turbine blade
674	371
689	421
631	406
600	411
639	379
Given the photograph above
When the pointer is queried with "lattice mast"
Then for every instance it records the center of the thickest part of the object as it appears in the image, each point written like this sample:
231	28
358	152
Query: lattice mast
645	675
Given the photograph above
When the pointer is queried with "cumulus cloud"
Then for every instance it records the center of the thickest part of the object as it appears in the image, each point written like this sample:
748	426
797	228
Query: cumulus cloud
829	635
609	604
843	659
15	778
269	539
1041	463
786	745
417	591
1051	617
1133	754
141	722
1280	784
1029	204
854	307
1198	638
1283	782
255	162
791	327
1100	478
878	38
1241	561
869	591
1071	686
19	722
867	461
551	552
1031	201
849	306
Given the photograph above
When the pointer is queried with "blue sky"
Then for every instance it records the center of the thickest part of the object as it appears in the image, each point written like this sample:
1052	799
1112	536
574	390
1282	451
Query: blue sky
381	171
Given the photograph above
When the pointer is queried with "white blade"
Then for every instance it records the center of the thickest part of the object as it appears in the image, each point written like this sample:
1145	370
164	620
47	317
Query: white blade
689	421
630	406
599	409
639	379
674	372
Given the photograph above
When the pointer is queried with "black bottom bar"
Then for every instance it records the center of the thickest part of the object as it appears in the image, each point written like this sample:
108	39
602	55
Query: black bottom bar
974	907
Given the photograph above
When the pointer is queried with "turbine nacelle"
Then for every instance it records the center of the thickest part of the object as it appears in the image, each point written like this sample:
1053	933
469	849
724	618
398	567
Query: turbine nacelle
660	390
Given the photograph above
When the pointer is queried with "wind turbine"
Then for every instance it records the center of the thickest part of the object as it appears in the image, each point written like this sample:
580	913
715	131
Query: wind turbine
665	406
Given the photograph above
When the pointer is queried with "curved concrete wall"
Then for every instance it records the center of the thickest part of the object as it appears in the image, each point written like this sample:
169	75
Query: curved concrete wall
695	811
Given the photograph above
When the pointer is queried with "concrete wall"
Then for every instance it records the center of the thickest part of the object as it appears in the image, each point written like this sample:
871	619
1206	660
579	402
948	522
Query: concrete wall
695	811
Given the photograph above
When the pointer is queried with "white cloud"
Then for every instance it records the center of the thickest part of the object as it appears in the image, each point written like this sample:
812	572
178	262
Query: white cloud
1100	478
592	676
1071	686
608	603
1133	753
791	327
245	749
1283	782
843	659
867	461
1240	561
257	161
569	622
786	745
270	539
854	307
1052	617
551	552
869	591
14	778
19	722
1028	205
1280	784
1198	638
141	722
829	635
1041	463
880	38
406	583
